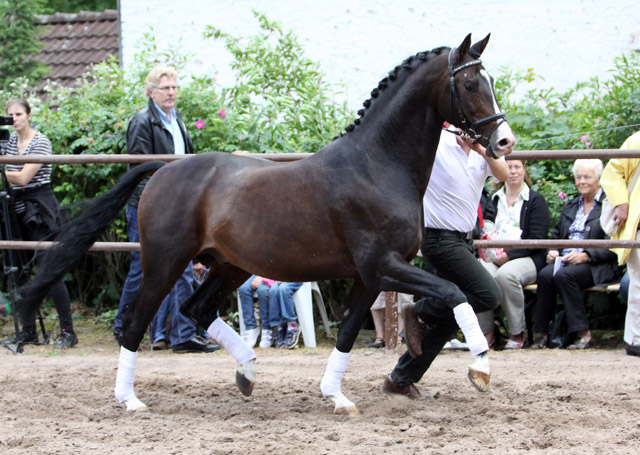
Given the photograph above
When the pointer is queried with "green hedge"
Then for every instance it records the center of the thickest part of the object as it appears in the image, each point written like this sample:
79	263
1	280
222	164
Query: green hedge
281	103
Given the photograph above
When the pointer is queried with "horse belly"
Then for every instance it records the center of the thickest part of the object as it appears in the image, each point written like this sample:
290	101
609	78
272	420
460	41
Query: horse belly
281	248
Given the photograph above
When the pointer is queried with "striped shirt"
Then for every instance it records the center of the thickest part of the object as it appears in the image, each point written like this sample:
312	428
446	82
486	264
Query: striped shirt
39	145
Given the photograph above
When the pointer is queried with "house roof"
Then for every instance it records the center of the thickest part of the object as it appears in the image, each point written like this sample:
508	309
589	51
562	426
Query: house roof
74	41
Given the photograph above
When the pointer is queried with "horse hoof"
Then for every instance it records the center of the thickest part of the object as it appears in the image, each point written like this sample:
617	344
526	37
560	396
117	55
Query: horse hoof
479	379
351	411
244	384
135	405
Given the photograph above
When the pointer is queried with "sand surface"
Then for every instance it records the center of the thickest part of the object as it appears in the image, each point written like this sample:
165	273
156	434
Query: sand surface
551	402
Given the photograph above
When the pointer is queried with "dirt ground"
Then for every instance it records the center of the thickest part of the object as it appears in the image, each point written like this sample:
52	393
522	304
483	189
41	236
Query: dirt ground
551	402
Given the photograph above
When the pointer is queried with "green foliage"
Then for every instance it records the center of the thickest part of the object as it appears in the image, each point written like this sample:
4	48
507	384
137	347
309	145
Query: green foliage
280	102
592	115
19	42
75	6
296	114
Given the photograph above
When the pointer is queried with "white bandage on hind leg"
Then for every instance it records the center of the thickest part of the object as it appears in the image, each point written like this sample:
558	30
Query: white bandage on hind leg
468	323
231	341
332	379
126	374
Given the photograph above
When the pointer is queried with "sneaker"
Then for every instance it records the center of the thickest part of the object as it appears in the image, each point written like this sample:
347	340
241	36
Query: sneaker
160	345
23	337
251	336
281	335
266	339
292	336
66	340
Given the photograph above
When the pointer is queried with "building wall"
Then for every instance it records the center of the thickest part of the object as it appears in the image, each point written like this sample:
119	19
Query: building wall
359	41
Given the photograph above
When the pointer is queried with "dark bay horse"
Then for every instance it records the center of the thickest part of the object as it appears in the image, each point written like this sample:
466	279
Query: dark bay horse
351	210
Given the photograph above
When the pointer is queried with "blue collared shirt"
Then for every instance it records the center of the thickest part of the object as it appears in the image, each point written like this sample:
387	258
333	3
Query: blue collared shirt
172	126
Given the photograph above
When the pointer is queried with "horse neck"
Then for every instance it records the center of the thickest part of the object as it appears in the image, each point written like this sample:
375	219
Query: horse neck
401	129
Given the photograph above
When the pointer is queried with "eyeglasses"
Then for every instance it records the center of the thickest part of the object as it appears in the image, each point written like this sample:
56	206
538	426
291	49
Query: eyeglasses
584	177
168	88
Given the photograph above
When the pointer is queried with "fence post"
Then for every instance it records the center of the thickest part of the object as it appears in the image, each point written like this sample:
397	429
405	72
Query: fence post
391	322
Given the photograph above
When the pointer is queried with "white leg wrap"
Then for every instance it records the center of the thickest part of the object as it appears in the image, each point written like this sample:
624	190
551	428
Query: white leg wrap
468	323
124	380
332	379
231	341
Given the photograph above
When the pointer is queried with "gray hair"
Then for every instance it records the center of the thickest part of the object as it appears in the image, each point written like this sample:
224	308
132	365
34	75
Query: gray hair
594	164
154	76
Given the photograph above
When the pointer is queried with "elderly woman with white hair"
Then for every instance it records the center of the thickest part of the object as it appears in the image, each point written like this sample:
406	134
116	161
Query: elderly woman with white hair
580	268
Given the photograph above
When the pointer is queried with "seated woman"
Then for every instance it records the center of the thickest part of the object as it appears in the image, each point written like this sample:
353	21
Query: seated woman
521	213
580	268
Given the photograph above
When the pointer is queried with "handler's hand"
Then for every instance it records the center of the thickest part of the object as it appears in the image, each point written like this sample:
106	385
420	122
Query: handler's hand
467	143
552	255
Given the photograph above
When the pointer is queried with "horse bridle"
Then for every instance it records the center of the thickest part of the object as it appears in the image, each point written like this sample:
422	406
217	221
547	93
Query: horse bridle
470	129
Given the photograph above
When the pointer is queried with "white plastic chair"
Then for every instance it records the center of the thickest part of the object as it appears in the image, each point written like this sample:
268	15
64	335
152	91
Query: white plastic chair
303	301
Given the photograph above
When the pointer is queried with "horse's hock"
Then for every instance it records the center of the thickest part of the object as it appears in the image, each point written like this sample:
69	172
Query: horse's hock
310	291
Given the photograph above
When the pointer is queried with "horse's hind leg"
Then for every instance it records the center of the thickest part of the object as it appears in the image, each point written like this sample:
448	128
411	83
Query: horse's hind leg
203	306
360	301
157	281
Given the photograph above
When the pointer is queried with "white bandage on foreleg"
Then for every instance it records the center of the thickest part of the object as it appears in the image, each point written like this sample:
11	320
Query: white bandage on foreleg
468	323
231	341
336	367
126	374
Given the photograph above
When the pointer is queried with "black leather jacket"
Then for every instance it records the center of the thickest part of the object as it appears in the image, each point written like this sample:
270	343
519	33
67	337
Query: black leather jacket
604	263
146	134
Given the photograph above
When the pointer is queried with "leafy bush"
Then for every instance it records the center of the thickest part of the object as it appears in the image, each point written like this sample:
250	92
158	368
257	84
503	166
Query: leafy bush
279	103
592	115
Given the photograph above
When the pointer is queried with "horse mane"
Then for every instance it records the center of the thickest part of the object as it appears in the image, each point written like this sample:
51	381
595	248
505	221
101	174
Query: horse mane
396	76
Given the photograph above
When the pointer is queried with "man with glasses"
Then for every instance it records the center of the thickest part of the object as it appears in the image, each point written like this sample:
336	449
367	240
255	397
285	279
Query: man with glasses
159	129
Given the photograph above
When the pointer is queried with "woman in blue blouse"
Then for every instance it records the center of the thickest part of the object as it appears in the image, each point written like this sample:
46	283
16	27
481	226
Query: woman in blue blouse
577	268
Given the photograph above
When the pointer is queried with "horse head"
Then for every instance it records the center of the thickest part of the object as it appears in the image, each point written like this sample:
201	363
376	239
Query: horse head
472	102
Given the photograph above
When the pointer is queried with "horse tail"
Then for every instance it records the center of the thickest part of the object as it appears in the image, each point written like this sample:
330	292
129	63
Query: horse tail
80	234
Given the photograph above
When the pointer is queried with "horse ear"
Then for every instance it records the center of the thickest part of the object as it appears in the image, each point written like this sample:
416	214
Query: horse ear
462	50
478	48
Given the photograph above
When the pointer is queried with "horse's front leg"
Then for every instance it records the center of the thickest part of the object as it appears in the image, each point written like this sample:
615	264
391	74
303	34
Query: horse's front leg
448	302
360	301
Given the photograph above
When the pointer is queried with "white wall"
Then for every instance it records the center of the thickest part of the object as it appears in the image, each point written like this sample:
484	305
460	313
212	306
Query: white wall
359	41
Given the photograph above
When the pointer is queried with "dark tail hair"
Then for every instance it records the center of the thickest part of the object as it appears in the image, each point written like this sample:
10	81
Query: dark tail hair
78	235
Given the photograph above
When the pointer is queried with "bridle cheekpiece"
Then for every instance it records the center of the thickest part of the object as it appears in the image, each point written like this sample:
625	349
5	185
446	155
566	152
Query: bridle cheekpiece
470	129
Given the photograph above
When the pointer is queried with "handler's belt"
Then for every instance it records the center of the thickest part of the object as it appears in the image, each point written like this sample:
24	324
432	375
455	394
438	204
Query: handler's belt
446	233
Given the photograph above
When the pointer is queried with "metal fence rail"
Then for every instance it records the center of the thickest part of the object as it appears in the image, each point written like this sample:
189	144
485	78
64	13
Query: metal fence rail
517	155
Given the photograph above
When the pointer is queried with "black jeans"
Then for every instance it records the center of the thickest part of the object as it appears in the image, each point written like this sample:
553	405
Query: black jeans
569	282
453	258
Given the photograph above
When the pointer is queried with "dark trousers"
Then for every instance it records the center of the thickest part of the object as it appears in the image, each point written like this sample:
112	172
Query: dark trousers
453	258
58	292
568	282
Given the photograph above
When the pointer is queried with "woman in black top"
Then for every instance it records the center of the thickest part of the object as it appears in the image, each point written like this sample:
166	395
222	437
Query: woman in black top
38	214
519	212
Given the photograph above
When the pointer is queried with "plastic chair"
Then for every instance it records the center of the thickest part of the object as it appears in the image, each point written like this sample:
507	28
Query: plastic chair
303	301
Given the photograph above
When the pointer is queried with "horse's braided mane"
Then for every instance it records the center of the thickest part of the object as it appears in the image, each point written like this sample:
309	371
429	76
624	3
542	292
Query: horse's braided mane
395	75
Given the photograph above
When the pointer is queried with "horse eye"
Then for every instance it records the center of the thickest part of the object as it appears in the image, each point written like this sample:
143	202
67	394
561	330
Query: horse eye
470	86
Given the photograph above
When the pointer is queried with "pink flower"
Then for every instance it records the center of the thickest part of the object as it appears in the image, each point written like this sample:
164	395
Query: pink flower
200	124
588	144
222	113
584	138
562	195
